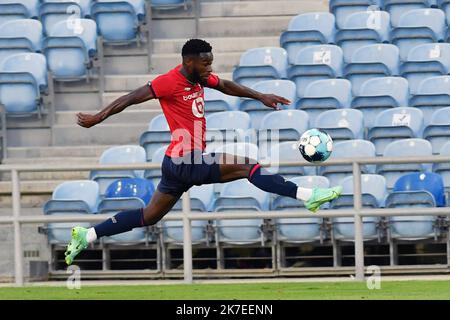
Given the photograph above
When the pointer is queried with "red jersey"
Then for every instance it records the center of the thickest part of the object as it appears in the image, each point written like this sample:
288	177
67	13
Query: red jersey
184	108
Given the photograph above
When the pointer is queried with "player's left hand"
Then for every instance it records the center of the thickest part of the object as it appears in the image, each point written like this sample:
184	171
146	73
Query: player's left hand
272	101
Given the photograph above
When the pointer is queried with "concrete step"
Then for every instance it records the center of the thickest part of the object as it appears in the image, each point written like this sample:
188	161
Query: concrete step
77	101
126	116
126	64
128	82
223	62
220	45
31	187
260	8
28	137
86	151
243	26
106	134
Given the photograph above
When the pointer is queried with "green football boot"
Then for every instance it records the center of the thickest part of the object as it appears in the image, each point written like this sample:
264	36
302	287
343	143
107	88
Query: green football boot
77	244
320	196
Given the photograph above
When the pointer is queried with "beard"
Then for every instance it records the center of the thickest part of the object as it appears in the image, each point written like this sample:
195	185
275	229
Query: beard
197	78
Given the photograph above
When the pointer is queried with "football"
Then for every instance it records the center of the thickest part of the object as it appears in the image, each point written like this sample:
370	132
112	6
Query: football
315	145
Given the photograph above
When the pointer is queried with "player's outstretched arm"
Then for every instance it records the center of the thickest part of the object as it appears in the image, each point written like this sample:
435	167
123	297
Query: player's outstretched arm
234	89
135	97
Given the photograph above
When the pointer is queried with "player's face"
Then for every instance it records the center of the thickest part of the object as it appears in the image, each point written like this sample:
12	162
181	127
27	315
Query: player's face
202	67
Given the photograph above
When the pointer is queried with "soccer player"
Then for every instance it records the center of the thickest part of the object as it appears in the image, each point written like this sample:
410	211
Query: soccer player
180	93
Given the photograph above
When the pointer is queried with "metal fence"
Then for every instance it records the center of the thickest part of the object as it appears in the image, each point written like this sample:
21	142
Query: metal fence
17	220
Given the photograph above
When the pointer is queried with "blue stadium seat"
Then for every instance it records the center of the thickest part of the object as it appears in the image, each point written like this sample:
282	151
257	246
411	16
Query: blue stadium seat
342	124
432	95
157	157
322	95
127	154
371	61
13	11
286	152
395	124
342	9
415	190
445	6
348	149
237	196
373	189
438	131
123	195
260	64
216	101
202	200
85	6
379	94
120	21
298	229
224	127
397	8
404	148
361	29
425	61
70	51
23	28
418	27
156	136
23	83
307	29
316	63
18	9
70	197
256	109
444	168
50	13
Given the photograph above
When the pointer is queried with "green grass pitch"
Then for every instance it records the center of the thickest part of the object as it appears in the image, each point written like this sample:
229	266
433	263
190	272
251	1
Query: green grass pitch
389	290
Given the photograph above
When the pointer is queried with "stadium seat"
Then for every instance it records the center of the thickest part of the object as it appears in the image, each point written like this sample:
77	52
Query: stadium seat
156	136
50	13
287	152
425	61
224	127
260	64
395	124
307	29
404	148
13	11
70	197
241	149
296	230
280	126
202	200
237	196
379	94
348	149
216	101
373	194
415	190
432	95
119	22
418	27
361	29
397	8
23	84
124	195
343	9
438	131
322	95
443	169
315	63
342	124
371	61
127	154
70	52
256	109
157	157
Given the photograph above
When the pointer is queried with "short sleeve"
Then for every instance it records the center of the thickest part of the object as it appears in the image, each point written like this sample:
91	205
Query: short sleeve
162	86
213	81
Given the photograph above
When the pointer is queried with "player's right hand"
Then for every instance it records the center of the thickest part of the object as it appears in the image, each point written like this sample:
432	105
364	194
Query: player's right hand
87	120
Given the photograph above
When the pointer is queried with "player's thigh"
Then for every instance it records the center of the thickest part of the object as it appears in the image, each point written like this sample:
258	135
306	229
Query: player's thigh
159	205
234	167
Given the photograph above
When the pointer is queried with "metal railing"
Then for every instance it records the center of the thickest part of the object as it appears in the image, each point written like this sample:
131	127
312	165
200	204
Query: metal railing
357	212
